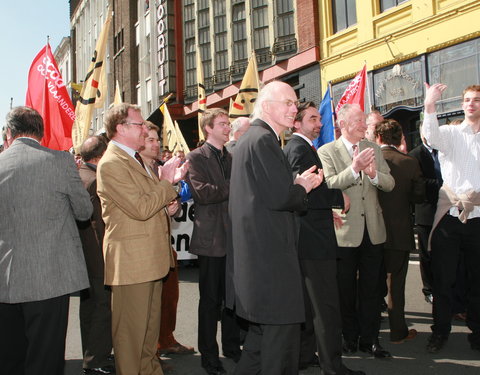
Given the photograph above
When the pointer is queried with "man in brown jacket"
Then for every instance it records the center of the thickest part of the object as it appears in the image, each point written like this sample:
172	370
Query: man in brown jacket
137	239
397	212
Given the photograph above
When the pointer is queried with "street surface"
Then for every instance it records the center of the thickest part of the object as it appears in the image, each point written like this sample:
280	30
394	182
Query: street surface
409	358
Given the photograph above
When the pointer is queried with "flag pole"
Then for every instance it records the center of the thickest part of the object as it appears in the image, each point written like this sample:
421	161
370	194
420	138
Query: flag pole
368	90
332	107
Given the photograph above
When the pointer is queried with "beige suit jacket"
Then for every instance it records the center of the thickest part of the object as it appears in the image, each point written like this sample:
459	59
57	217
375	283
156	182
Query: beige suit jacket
364	205
136	245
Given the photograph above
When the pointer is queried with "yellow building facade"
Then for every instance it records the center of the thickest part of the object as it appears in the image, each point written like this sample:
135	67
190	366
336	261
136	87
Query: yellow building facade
403	43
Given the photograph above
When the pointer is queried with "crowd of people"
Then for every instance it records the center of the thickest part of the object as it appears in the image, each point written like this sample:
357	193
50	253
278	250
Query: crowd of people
297	248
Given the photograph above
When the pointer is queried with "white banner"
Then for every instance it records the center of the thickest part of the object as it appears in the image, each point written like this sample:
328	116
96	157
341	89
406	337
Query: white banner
182	228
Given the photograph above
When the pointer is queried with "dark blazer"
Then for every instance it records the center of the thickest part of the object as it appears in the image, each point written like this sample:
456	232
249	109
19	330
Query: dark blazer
266	272
317	233
210	189
41	195
397	204
425	211
93	230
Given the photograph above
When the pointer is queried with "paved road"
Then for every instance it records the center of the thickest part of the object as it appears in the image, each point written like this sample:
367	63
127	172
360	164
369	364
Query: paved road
409	358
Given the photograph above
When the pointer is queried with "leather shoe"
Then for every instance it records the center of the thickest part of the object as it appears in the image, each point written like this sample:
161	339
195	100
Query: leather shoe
412	333
376	350
314	362
235	356
176	348
350	347
436	342
100	370
214	369
353	372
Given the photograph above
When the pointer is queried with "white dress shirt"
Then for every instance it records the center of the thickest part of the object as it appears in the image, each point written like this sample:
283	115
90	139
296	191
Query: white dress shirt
459	155
349	147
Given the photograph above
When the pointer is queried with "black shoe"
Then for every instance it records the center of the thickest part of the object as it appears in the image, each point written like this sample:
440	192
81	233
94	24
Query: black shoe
436	342
375	349
214	368
429	298
350	347
100	370
235	356
314	362
353	372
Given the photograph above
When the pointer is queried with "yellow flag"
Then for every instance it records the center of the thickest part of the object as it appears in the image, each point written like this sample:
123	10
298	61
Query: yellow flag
182	145
88	95
171	134
118	94
248	92
202	98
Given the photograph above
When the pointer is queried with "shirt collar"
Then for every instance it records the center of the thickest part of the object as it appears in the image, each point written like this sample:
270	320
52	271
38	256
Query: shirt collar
348	144
128	150
304	137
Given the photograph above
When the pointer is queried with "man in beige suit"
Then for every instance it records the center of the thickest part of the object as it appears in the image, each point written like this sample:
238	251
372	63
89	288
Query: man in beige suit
137	239
357	167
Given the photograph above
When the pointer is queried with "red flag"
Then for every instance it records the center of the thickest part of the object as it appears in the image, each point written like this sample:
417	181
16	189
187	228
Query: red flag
48	95
355	92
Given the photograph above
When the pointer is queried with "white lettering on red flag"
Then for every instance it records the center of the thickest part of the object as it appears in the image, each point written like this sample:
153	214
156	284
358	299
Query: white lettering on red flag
48	95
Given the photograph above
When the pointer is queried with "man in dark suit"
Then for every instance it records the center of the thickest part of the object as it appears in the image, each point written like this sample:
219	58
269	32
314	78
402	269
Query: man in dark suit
396	206
209	181
267	282
356	166
95	311
425	211
41	258
317	251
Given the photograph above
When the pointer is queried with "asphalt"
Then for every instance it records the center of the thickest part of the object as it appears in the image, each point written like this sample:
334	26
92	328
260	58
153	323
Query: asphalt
409	358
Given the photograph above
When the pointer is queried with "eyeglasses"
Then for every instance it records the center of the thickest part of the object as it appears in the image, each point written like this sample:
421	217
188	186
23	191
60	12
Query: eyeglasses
134	123
287	102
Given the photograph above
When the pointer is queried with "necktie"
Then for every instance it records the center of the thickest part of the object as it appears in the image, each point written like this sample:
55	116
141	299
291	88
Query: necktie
314	149
354	148
140	160
436	165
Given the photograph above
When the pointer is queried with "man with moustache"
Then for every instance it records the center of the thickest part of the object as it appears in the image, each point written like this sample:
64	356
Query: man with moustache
209	182
267	282
357	167
317	251
137	249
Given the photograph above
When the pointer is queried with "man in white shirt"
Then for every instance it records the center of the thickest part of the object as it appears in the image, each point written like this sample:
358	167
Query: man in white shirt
456	227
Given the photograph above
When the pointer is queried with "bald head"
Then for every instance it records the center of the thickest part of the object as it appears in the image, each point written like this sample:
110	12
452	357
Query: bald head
277	105
93	149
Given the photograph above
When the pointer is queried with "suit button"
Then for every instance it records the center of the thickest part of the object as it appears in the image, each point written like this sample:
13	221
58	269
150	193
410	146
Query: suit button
363	198
363	215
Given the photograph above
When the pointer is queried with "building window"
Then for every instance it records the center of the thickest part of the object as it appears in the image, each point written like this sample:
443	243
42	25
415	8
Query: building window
285	21
387	4
344	14
260	24
221	41
203	20
401	84
239	32
118	42
190	50
457	66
